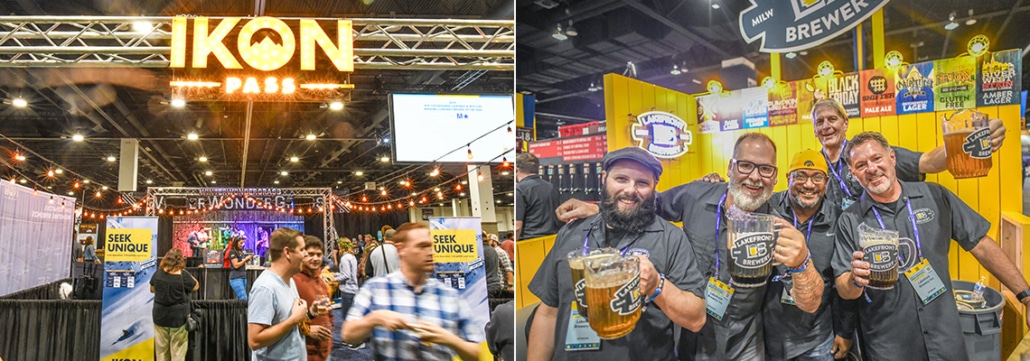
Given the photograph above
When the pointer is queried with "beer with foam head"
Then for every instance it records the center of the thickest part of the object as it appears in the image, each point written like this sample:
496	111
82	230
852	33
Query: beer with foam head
881	251
967	144
613	295
576	263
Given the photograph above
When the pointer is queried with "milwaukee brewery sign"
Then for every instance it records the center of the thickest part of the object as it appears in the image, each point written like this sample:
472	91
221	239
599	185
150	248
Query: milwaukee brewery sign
792	25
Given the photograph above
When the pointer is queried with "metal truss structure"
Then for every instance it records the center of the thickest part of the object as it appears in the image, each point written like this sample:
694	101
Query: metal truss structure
396	44
328	224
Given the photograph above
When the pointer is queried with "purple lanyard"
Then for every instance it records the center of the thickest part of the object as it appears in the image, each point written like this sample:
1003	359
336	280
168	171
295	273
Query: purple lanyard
718	222
840	170
912	217
810	221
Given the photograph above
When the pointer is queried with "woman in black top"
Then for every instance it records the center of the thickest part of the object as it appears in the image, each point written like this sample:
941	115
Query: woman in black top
238	274
171	286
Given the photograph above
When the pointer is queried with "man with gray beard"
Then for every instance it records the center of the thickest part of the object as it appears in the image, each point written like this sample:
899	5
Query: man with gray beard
733	330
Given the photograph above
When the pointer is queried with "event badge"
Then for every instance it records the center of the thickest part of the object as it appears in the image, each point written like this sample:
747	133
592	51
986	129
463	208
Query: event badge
924	279
787	298
846	202
717	297
579	336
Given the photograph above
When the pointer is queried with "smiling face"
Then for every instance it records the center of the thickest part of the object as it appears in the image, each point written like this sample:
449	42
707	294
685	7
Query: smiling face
628	196
829	125
751	190
313	260
807	193
873	166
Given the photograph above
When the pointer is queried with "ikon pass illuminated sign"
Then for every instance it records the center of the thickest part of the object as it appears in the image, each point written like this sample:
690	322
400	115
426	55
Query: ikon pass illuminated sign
262	58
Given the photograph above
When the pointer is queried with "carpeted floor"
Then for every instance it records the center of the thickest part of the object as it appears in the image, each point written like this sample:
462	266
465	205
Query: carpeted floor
340	350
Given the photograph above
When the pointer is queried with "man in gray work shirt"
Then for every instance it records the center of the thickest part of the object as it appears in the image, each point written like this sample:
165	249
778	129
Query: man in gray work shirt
668	276
536	199
702	206
911	321
790	333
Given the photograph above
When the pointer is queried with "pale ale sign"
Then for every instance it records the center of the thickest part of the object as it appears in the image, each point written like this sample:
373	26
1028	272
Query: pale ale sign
262	58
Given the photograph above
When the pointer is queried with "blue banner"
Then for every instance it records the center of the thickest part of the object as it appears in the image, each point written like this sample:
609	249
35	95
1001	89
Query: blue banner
127	325
915	88
792	25
466	273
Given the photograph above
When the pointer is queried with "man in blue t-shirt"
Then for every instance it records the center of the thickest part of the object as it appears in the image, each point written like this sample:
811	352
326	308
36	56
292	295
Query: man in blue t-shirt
275	309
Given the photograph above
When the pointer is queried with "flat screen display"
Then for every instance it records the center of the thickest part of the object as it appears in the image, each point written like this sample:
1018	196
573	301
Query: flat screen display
437	127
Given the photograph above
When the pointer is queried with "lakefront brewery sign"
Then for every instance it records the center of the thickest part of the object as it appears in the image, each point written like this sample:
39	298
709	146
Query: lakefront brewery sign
261	58
792	25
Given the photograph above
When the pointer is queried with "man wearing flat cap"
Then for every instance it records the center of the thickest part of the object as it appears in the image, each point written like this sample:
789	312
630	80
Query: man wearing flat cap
733	330
671	289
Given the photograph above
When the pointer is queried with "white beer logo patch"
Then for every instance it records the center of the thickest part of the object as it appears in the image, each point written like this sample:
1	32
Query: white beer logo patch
752	251
627	299
978	144
881	257
924	215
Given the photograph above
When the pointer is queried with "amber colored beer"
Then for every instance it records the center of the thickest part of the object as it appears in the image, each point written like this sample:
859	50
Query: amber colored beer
960	163
605	318
576	264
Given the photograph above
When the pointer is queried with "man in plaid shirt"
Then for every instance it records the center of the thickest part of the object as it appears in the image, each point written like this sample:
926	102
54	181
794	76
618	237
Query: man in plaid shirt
410	315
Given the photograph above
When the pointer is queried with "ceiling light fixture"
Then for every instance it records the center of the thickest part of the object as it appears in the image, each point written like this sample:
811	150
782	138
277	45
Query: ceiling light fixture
952	25
558	34
209	173
294	159
19	102
111	158
178	102
791	55
384	159
336	106
359	173
19	156
202	159
310	136
593	87
675	70
59	171
149	181
284	173
715	6
142	26
78	137
192	136
276	182
571	31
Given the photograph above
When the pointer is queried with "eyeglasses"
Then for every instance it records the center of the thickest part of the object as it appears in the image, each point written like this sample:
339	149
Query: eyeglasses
802	178
764	170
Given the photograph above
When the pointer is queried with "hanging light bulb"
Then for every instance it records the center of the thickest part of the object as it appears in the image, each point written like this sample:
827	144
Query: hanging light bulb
411	203
76	185
504	162
457	187
364	198
383	193
470	150
50	173
51	199
35	191
99	194
480	177
435	172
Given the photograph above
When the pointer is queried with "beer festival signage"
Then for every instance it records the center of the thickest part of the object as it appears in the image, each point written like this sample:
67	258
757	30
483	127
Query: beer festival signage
266	58
127	328
662	134
792	25
458	261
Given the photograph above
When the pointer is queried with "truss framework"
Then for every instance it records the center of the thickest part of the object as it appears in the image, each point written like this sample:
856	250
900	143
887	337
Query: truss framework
328	224
396	44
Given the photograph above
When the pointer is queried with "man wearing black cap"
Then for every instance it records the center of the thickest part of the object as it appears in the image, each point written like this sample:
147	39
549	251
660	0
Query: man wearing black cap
670	286
733	330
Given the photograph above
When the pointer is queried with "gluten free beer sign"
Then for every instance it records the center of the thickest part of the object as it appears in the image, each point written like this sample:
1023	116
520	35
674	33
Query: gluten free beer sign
454	246
128	244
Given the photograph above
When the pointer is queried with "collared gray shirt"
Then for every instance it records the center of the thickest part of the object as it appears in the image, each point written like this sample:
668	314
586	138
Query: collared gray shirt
906	167
738	336
537	199
896	325
789	331
652	339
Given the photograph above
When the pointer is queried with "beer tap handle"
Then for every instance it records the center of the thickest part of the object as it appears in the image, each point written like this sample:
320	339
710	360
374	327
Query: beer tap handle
586	179
561	179
599	186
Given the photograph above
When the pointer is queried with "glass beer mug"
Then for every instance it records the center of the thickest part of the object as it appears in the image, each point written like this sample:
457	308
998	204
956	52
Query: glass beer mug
576	263
881	251
613	295
750	239
967	143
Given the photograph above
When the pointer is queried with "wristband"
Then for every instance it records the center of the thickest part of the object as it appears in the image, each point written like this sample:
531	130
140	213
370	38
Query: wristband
1023	295
657	291
310	316
856	284
803	266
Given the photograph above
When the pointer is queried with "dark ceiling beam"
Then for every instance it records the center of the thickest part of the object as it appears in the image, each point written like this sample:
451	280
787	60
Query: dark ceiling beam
636	4
1008	18
579	11
939	24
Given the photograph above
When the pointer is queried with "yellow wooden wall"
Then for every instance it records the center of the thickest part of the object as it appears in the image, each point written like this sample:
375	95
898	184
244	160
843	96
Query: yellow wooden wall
1001	190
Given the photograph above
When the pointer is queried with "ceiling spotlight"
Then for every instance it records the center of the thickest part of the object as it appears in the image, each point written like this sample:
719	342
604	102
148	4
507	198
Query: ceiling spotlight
791	55
294	159
435	172
78	137
50	173
675	70
276	182
593	87
149	181
571	31
86	181
462	194
715	6
336	106
384	159
59	171
71	193
19	156
505	173
284	173
952	25
19	102
359	173
178	102
558	34
202	159
192	136
339	182
209	173
310	137
23	181
103	187
111	158
971	20
142	26
214	181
